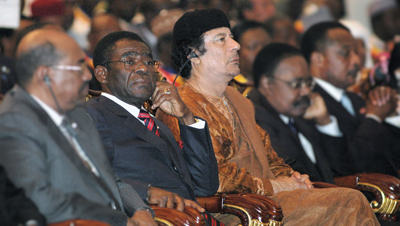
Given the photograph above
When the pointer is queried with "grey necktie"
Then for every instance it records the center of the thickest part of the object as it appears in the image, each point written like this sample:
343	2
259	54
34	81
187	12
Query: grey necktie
346	103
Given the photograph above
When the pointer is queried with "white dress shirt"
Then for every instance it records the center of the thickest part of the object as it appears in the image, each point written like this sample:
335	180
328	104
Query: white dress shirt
336	93
307	146
133	110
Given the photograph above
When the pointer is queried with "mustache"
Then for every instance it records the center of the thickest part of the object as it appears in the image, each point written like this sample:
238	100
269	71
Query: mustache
355	70
304	100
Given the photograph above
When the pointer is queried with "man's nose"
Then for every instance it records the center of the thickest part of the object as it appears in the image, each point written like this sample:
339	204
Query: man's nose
234	44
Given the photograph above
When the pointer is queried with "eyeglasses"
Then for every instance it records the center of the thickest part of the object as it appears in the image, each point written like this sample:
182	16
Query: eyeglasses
308	82
80	68
130	64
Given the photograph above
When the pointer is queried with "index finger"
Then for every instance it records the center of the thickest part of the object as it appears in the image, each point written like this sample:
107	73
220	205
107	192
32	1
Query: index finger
194	205
180	205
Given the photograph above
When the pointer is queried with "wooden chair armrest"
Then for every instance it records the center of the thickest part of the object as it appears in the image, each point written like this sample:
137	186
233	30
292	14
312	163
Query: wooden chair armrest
172	217
385	188
79	222
250	209
318	184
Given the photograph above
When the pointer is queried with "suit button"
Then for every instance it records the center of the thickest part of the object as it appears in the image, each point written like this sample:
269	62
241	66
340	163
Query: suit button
176	169
183	176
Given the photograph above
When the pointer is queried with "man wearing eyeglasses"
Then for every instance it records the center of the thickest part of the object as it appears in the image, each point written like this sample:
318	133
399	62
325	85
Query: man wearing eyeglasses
297	121
48	146
142	149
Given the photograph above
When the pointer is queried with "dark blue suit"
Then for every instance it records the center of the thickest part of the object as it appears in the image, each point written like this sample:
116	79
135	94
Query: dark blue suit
371	146
288	146
141	158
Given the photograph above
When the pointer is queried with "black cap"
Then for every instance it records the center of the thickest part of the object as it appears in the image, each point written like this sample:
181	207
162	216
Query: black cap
194	23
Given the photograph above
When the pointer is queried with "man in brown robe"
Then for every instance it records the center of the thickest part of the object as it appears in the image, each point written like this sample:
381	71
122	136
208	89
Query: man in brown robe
246	160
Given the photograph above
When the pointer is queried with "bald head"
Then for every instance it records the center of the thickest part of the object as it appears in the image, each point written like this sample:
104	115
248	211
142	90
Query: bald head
51	66
41	48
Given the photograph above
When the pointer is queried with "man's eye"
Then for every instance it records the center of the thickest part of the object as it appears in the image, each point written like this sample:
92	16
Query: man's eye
149	63
129	62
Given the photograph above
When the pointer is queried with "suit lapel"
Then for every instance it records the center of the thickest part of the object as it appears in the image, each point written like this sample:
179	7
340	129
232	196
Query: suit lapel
55	133
345	119
136	126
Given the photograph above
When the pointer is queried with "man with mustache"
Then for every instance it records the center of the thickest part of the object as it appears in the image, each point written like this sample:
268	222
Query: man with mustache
371	143
305	135
48	145
246	160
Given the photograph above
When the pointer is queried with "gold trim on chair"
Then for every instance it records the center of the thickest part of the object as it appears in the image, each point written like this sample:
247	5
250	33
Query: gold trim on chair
254	222
163	221
388	206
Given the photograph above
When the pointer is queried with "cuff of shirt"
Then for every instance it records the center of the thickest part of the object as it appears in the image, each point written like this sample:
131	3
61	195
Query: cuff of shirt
200	124
393	120
31	223
330	129
374	117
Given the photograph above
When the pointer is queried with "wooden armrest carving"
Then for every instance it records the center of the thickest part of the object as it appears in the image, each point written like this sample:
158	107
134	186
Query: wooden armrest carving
318	184
79	222
385	188
251	209
171	217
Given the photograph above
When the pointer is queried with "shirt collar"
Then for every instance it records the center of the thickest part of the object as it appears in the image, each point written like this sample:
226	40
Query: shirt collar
54	115
284	118
133	110
333	91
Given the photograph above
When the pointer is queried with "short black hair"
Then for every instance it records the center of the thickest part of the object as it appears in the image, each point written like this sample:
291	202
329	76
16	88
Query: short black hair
315	38
269	58
183	49
240	28
103	51
27	63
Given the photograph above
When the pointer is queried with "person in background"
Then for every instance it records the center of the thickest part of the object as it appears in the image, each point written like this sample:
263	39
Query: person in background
297	121
281	29
334	63
252	37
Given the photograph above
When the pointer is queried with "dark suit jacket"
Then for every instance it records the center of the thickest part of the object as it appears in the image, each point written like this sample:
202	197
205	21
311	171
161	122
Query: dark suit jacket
288	145
141	158
38	158
15	207
371	146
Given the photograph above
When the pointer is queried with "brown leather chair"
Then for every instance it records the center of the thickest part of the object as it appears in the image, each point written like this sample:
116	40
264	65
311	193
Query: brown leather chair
251	209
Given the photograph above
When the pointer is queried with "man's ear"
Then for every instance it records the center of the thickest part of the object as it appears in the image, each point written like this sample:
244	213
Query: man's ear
317	59
264	86
41	72
195	59
100	72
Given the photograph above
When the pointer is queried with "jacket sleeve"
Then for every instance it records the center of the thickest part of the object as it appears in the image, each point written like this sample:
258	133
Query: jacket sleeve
25	161
200	159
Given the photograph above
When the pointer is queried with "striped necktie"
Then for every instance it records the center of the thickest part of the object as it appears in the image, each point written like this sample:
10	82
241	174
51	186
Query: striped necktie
148	121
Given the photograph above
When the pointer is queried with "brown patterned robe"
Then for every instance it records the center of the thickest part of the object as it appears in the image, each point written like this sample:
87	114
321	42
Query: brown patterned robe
246	163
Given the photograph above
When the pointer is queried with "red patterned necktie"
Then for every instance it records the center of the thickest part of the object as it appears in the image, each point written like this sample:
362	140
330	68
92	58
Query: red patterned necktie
148	121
